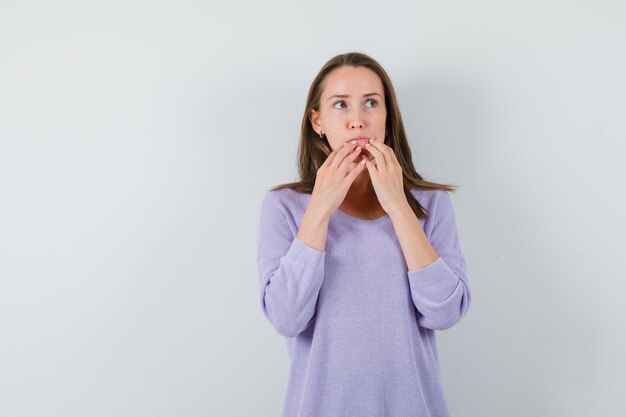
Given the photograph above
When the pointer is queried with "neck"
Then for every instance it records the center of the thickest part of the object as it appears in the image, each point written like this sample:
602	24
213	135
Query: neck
361	191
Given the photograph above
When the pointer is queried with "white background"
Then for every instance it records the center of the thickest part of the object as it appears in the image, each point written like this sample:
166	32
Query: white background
137	139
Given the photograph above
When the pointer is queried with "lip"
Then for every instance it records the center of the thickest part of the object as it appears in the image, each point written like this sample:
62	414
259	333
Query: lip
361	140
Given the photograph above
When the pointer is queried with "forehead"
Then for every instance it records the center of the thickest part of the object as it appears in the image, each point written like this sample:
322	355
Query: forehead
352	81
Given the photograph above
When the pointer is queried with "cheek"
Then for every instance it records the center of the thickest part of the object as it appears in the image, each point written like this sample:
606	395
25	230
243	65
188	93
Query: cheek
335	144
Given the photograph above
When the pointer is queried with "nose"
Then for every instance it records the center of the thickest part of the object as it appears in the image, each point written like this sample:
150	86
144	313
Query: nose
357	122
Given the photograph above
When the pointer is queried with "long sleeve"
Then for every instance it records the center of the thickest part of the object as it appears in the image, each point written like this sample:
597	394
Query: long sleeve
440	291
290	271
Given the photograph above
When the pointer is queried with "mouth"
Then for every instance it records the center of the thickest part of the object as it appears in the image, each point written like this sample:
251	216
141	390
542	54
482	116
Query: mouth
361	140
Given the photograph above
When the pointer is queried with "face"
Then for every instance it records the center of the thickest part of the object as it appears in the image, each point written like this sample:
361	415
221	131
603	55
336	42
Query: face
352	105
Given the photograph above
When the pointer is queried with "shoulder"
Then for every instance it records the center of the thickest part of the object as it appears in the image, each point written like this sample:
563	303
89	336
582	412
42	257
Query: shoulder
283	204
438	206
280	213
431	199
283	198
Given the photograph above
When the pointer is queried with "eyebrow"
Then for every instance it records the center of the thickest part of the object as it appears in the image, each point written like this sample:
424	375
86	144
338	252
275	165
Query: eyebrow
346	96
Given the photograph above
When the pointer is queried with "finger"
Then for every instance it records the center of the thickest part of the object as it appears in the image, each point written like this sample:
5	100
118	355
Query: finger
390	154
378	155
348	161
330	157
345	150
356	171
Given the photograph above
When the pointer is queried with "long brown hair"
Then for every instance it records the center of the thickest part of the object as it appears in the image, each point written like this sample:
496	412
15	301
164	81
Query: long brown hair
314	150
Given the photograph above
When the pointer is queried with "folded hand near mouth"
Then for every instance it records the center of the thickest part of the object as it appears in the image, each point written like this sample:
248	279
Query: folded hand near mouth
386	174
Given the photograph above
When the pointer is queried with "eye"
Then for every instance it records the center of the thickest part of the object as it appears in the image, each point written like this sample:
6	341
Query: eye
343	102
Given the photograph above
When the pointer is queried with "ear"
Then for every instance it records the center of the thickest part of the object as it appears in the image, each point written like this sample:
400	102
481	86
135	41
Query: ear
314	118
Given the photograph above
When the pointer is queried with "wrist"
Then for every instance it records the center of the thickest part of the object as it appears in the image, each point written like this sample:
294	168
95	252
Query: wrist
400	209
317	211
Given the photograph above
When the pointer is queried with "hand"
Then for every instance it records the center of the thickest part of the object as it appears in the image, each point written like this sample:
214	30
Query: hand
335	176
386	175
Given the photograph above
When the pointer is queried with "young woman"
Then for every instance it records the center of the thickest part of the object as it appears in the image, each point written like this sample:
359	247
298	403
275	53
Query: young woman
360	261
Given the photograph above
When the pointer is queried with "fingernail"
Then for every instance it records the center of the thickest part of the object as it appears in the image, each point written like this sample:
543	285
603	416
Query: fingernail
353	142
